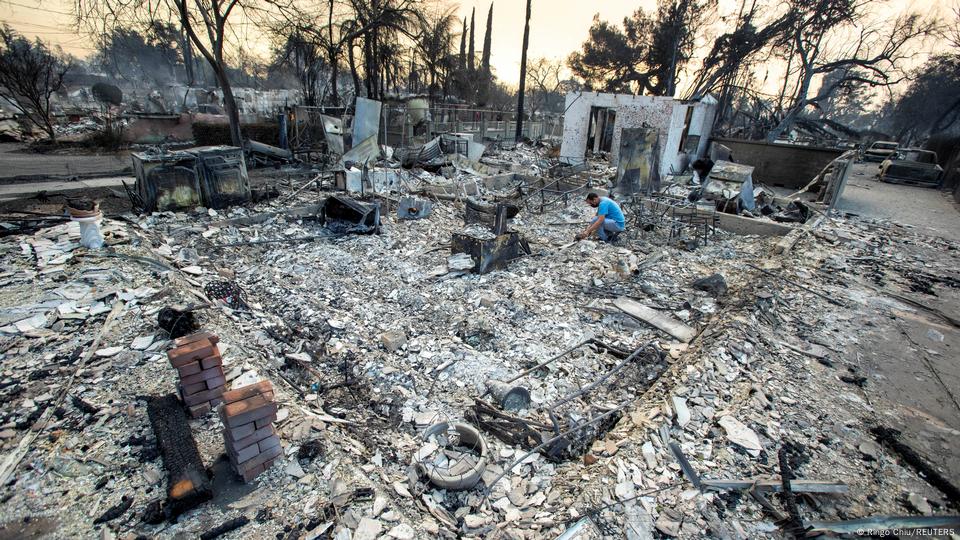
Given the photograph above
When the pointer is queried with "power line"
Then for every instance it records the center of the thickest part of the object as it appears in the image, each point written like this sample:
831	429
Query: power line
38	8
229	23
28	23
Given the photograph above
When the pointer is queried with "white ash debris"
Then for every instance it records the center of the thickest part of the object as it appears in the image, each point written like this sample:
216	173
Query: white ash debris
367	345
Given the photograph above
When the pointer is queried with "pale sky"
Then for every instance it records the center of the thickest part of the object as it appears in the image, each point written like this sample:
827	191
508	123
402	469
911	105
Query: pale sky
557	27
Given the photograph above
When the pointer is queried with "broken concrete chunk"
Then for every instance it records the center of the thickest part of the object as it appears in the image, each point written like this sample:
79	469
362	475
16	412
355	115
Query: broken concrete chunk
295	470
379	505
649	454
402	532
393	340
870	450
391	516
474	521
402	490
141	343
920	504
740	434
368	529
683	413
668	524
26	325
108	352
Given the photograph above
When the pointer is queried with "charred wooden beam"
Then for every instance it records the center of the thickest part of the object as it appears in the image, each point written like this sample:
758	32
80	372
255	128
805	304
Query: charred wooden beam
116	511
188	483
225	527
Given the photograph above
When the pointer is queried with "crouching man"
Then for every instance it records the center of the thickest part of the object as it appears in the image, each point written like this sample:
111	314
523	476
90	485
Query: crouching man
609	222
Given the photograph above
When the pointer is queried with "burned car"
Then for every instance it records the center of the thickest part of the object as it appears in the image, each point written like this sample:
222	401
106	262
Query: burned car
912	166
880	150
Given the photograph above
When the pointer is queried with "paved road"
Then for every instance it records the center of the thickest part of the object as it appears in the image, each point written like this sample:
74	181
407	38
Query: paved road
14	162
910	357
929	210
21	190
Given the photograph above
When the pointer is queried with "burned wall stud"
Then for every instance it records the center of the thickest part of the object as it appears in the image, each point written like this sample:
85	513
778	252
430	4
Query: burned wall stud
187	481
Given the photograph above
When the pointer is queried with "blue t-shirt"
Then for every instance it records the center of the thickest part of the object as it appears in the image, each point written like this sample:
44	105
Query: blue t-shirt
610	209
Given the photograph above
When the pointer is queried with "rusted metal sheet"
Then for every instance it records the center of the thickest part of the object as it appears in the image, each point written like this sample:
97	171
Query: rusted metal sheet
363	152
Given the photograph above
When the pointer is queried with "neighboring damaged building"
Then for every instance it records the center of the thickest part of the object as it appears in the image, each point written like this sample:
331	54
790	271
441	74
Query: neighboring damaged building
666	134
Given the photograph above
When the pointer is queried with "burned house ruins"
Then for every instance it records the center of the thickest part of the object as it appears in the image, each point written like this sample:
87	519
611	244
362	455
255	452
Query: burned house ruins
401	297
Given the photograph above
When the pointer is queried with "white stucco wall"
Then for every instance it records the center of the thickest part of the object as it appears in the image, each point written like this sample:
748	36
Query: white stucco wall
701	124
665	114
671	159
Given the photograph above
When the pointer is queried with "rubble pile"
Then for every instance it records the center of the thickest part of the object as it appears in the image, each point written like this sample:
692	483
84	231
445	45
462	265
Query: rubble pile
413	397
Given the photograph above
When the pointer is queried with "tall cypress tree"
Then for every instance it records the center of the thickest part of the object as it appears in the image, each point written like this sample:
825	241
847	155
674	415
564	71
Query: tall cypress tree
485	59
463	46
473	50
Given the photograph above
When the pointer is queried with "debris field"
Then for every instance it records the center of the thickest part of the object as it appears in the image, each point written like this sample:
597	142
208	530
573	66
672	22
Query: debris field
659	386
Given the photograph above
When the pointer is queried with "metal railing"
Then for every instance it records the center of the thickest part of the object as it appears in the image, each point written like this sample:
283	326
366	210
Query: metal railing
486	125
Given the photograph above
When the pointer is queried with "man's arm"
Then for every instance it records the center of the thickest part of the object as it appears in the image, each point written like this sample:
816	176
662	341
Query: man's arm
597	223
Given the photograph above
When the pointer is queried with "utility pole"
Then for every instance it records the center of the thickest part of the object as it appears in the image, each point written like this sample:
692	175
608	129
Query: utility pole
523	72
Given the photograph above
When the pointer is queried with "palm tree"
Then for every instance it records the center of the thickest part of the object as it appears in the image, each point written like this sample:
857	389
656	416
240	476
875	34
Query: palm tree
435	45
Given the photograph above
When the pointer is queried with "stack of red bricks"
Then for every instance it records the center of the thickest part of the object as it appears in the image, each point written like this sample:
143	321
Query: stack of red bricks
248	414
198	361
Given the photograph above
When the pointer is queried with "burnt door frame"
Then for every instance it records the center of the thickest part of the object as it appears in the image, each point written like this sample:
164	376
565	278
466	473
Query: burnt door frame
600	121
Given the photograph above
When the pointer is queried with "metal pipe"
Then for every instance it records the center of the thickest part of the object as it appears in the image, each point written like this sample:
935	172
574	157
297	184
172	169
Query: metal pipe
599	381
548	362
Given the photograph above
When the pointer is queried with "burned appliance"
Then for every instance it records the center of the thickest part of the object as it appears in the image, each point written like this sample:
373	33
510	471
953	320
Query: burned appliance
490	253
342	215
211	176
223	175
167	181
478	211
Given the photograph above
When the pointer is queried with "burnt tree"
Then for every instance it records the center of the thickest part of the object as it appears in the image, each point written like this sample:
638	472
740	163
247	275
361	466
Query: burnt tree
30	74
204	21
523	72
817	44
